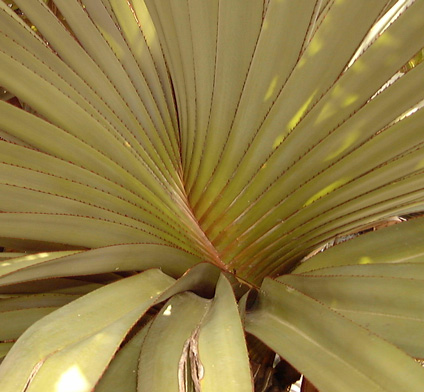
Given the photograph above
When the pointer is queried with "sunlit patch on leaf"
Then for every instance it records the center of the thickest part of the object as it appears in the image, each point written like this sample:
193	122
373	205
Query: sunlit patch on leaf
73	380
160	158
365	260
315	47
299	114
347	142
350	99
293	122
325	191
420	165
271	88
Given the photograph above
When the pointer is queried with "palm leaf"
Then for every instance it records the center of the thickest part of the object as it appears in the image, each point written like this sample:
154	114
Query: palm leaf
224	143
284	322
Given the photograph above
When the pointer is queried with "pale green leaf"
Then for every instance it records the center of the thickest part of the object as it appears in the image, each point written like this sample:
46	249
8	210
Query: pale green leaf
386	299
161	137
15	322
238	25
58	286
187	136
79	332
166	347
221	354
35	301
141	37
75	230
122	371
116	258
395	244
257	137
294	324
114	72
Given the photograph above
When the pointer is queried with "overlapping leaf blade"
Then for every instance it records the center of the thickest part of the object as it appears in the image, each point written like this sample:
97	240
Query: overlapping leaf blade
296	325
222	358
385	300
122	371
165	350
162	134
396	244
79	332
130	257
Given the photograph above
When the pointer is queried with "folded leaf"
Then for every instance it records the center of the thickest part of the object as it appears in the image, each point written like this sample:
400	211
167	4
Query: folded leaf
128	257
314	338
221	354
394	244
78	340
122	371
386	299
166	347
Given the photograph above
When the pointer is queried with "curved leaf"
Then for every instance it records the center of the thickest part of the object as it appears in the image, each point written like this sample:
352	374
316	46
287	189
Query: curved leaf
35	301
394	244
294	324
15	322
122	371
128	257
221	354
161	363
68	340
386	299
